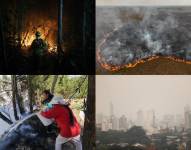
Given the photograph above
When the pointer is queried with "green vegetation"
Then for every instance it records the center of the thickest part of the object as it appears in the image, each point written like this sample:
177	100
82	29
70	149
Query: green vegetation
16	88
66	85
134	135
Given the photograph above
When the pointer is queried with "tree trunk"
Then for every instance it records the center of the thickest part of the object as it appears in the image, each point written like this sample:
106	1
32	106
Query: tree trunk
60	15
2	44
89	34
20	103
4	118
54	83
84	33
30	92
89	125
13	79
21	11
19	98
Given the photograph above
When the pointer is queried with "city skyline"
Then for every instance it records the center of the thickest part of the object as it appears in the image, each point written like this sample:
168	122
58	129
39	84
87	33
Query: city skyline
163	94
140	114
146	119
140	110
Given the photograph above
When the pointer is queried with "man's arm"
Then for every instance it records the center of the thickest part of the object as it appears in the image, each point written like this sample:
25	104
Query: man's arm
50	113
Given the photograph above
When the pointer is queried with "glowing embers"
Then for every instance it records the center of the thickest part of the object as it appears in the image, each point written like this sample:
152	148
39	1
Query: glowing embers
47	30
114	68
27	39
127	46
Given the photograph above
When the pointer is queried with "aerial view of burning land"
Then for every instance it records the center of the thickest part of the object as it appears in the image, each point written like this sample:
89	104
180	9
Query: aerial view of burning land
143	40
45	36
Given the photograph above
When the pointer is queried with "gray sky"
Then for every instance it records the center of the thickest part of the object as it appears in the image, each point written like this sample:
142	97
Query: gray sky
164	94
143	2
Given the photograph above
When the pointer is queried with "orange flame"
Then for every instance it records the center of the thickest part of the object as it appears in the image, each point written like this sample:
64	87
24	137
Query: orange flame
47	34
113	68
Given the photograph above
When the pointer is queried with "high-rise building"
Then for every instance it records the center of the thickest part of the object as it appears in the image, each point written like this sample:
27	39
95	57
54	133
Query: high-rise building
99	118
111	109
169	121
150	118
123	123
115	123
179	120
150	121
140	118
104	126
187	117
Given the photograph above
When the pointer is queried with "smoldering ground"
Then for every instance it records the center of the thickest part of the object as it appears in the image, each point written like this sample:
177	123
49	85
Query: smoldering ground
129	34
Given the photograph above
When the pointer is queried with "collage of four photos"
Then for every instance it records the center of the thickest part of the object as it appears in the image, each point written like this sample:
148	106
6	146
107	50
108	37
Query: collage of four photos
95	75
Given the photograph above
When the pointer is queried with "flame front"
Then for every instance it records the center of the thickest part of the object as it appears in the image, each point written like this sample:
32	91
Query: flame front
113	68
48	34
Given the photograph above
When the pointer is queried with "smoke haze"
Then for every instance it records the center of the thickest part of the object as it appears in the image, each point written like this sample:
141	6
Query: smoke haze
142	2
164	94
128	34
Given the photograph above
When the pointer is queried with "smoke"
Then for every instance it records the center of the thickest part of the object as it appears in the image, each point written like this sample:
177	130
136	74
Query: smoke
45	24
106	21
142	32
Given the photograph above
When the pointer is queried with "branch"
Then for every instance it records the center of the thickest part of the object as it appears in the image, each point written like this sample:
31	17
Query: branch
46	77
54	83
5	118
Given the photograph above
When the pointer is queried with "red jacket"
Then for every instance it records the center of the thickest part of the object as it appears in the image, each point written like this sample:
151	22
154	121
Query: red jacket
61	116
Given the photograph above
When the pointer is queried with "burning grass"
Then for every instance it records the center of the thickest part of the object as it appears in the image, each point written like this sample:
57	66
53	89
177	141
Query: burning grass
142	36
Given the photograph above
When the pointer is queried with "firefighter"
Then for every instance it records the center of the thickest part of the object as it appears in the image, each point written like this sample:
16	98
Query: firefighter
39	49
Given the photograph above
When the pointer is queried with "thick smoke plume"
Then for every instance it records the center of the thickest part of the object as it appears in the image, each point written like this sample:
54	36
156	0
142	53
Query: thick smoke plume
125	35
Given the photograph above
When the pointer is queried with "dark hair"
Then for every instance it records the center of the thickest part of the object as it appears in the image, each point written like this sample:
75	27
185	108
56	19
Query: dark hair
46	92
70	114
50	96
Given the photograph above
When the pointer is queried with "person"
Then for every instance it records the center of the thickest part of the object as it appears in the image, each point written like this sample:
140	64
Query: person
46	97
39	49
38	45
69	127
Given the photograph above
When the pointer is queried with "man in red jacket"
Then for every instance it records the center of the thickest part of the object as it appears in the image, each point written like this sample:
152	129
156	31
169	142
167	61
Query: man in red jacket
66	121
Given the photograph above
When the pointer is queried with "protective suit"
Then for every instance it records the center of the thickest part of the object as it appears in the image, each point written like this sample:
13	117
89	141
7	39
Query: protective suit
39	50
39	46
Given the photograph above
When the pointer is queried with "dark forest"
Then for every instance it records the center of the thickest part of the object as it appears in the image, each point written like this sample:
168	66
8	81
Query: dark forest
65	29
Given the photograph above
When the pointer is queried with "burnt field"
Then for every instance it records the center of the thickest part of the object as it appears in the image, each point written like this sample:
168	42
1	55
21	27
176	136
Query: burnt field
127	36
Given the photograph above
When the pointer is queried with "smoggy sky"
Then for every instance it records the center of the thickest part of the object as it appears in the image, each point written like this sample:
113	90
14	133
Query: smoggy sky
164	94
143	2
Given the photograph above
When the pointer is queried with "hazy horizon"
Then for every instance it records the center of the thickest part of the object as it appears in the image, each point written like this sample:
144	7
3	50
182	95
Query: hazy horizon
143	2
129	94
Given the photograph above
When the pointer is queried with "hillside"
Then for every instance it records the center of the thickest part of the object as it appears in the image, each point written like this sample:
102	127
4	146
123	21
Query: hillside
159	66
